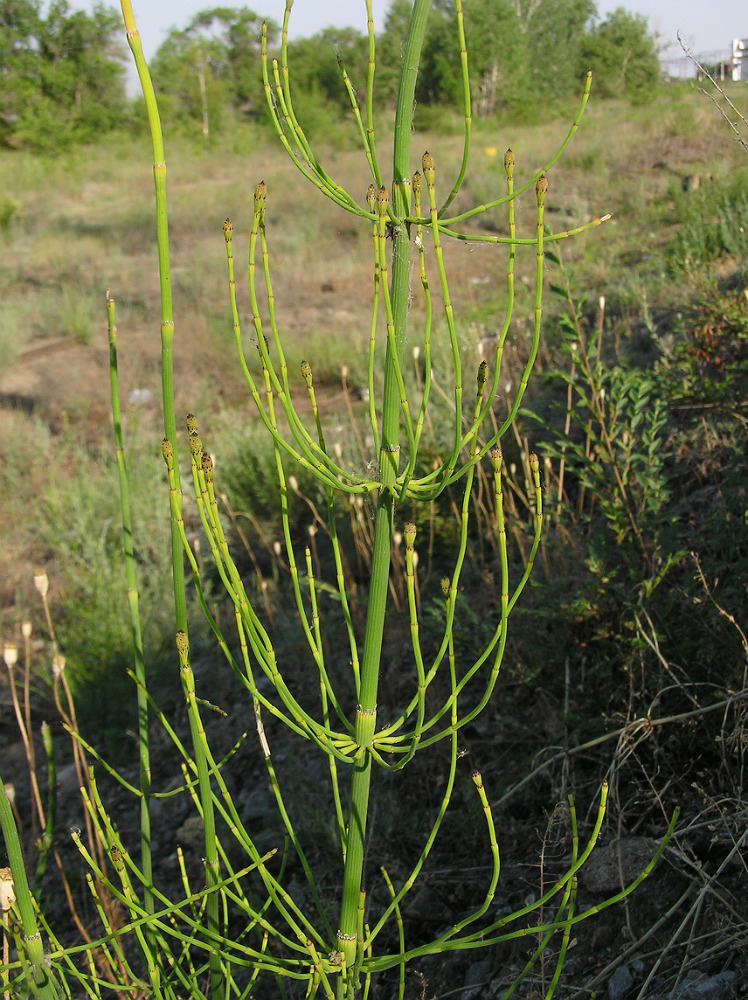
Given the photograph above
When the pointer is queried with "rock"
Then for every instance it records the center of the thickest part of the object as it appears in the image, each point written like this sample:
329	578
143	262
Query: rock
67	781
426	906
611	868
192	833
477	977
717	987
620	983
254	806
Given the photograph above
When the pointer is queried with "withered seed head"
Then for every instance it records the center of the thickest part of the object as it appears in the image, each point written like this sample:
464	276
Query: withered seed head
7	889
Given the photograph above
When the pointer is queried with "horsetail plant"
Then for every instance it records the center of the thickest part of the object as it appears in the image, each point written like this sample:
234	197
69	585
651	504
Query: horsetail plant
249	930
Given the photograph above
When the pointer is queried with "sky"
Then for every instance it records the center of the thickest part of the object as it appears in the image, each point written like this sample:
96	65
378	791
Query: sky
706	25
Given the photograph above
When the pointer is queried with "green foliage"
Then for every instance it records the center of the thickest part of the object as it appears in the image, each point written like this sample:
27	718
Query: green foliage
622	55
81	520
650	463
318	62
8	209
211	65
555	31
63	78
250	479
499	58
520	53
708	366
253	927
714	223
613	448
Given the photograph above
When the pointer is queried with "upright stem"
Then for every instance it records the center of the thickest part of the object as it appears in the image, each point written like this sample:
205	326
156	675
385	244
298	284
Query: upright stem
136	631
170	432
366	712
38	975
164	274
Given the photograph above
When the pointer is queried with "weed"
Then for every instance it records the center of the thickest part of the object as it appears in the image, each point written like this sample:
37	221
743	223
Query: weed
248	472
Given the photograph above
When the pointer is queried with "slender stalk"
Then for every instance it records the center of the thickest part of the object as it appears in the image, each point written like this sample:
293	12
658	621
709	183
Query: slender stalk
164	274
132	597
366	711
212	871
30	944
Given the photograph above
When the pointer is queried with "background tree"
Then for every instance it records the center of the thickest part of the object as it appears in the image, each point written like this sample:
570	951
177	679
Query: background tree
622	54
211	65
63	77
317	62
518	50
554	32
19	24
499	55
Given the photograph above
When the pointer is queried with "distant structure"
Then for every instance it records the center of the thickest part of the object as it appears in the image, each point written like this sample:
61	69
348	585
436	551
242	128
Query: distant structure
719	62
740	59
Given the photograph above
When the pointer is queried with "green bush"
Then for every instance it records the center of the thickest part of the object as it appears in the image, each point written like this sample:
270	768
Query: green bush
82	524
713	222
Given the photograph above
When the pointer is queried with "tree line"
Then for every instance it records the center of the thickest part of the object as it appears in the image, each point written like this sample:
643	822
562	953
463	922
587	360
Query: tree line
63	70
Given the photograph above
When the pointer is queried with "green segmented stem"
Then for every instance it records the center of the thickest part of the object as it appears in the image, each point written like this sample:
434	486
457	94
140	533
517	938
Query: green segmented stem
426	391
29	941
45	840
373	418
164	275
212	869
479	209
132	599
380	567
371	659
436	825
467	108
370	71
194	935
